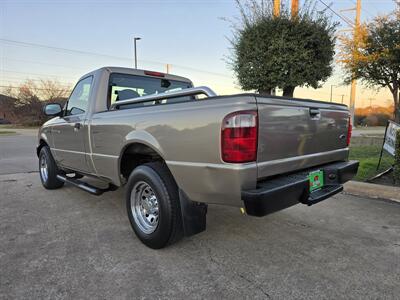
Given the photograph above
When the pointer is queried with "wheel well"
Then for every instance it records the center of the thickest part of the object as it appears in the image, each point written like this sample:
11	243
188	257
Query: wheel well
42	143
134	155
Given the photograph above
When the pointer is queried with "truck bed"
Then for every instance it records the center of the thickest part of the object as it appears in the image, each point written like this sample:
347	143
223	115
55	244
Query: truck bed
293	135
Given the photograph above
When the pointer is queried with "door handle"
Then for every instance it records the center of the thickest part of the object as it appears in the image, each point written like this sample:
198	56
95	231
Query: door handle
315	113
77	126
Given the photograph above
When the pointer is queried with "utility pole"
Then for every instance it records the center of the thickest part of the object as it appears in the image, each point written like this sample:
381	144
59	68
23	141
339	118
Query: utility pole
332	85
356	38
277	12
168	66
277	8
295	8
342	98
370	101
135	39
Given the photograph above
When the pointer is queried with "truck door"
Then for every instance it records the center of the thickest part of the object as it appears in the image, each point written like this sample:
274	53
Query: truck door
70	133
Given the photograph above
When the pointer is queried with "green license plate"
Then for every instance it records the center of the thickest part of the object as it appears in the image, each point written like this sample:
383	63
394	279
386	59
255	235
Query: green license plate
316	180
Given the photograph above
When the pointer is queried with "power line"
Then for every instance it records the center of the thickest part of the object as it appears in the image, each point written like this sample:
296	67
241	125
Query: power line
36	89
336	13
39	74
363	9
26	44
60	49
19	79
42	63
35	81
21	83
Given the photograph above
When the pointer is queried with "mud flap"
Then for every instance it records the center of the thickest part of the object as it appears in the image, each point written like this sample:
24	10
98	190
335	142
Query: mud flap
193	215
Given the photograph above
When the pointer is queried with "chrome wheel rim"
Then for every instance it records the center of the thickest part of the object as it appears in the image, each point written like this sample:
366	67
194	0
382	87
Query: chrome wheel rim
44	173
144	207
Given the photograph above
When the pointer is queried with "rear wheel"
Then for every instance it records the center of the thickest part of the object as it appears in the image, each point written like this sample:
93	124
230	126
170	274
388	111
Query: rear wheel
152	202
48	170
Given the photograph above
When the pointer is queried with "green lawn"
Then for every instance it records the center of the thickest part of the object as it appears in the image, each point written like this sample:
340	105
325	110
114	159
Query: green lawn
15	126
7	132
369	157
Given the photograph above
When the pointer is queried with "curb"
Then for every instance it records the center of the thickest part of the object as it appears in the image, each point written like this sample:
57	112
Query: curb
372	190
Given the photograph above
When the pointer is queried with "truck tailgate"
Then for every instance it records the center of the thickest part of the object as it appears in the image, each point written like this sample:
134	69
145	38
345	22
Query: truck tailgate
297	134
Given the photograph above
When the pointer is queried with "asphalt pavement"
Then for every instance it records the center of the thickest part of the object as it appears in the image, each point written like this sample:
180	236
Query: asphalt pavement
18	151
67	244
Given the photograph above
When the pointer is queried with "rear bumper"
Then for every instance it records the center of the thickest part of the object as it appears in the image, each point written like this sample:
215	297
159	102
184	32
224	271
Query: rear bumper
284	191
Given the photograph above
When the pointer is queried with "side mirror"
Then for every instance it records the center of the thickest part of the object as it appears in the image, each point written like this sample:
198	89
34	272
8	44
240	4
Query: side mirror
52	109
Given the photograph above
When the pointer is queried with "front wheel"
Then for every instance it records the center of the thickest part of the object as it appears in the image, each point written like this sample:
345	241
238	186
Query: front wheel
48	170
152	202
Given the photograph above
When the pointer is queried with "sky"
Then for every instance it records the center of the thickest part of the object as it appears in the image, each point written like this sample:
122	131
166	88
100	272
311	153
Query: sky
36	39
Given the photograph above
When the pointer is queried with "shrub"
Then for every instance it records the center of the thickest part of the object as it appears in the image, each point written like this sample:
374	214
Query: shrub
280	51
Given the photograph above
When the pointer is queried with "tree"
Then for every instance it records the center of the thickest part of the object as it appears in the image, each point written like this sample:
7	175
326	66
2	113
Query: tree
28	104
9	91
29	98
51	90
375	56
27	94
280	51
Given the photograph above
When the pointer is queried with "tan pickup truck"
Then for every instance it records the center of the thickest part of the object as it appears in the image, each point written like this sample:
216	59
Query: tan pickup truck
177	148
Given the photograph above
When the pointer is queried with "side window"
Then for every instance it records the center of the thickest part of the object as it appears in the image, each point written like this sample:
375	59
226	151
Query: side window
79	99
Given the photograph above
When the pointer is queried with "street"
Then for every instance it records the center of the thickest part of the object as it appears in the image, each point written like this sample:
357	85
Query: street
68	244
368	131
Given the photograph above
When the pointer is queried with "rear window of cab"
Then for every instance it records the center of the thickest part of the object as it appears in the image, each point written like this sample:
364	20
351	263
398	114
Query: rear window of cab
126	86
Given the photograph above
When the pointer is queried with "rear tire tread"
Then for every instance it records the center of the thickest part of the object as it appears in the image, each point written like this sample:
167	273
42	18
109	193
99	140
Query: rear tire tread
168	180
158	172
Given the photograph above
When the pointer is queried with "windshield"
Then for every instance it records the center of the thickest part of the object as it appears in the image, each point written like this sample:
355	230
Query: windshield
125	86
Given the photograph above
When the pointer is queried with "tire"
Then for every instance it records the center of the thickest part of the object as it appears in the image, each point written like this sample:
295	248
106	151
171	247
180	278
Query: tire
48	170
153	193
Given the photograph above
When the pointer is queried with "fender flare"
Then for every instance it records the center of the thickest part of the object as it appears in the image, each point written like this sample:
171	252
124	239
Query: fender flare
43	141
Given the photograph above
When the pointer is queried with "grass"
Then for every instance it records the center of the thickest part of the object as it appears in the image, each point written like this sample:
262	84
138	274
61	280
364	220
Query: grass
369	157
15	126
361	128
7	132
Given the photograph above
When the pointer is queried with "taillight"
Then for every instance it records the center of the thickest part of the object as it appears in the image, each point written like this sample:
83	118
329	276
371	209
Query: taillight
349	130
239	135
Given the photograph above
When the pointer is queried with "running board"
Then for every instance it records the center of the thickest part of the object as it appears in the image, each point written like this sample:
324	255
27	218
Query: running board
85	186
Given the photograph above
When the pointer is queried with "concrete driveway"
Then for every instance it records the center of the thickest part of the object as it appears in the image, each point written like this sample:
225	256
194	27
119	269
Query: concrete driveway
71	245
18	151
